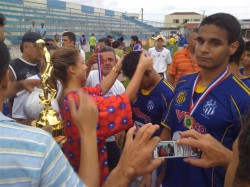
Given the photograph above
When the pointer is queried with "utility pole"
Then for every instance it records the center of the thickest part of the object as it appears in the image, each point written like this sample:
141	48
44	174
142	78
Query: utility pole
203	13
142	15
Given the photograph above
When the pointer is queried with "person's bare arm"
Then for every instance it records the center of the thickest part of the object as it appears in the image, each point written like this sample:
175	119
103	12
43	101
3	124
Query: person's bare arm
85	118
136	158
213	152
91	61
16	86
170	78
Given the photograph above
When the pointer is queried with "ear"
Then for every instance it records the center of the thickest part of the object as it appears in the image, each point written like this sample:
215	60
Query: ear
25	45
71	70
233	47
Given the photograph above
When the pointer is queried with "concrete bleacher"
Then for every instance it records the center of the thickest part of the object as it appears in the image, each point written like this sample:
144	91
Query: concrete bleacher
58	15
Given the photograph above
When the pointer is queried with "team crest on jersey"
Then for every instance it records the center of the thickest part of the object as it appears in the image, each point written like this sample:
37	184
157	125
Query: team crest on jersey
150	105
209	107
181	97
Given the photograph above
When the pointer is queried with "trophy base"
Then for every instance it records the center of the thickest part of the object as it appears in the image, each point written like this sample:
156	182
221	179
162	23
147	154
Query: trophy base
49	121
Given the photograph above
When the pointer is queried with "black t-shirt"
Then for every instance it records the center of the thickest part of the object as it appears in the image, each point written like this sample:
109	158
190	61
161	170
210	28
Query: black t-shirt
22	70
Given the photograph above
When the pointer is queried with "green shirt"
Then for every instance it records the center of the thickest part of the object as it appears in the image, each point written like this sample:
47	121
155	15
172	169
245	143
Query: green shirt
92	40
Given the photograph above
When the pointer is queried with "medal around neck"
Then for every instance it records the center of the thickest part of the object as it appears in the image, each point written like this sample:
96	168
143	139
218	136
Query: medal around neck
188	122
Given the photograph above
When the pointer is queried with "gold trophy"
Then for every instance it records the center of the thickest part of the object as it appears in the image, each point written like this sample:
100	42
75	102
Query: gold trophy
48	118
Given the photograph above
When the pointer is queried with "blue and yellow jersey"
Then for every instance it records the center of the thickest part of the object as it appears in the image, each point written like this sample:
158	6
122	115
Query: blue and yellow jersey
246	81
219	114
242	70
150	105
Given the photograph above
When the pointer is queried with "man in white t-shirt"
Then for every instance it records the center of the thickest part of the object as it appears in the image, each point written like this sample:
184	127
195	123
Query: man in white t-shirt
161	55
109	61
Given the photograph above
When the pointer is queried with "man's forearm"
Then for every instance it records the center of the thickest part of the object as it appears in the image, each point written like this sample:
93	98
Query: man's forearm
118	179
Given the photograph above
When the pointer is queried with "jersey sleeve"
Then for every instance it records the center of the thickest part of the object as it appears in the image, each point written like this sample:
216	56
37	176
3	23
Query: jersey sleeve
168	116
239	111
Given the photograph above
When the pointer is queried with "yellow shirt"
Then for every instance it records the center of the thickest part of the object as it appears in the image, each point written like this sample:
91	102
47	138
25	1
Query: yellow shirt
171	41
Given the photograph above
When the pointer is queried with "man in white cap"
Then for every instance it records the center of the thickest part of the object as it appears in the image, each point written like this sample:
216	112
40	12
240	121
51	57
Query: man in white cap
161	55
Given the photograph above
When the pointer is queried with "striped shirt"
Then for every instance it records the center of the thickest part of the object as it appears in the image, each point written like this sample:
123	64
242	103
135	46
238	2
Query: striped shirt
182	64
30	157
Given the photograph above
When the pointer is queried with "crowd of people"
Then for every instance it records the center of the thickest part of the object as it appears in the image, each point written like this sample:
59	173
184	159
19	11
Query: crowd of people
198	97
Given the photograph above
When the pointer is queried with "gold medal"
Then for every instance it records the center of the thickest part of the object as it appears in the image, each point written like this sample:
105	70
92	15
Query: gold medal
188	121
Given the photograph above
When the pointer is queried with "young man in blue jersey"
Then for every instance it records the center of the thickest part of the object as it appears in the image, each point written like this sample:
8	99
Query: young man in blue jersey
245	70
208	101
152	100
214	153
234	61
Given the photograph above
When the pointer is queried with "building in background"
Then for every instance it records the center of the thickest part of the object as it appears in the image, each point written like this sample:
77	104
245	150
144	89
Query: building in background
58	15
178	20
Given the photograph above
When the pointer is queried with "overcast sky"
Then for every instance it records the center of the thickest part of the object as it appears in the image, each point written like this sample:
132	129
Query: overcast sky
155	10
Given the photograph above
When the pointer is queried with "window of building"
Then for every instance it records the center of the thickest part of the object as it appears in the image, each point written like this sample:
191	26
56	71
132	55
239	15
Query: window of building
176	21
185	20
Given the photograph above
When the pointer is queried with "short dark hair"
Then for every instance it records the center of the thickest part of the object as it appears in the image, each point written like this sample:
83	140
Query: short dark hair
56	35
4	59
116	44
52	47
130	62
190	31
247	46
49	40
71	36
121	39
135	38
107	49
235	58
224	21
2	20
105	40
242	173
109	36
